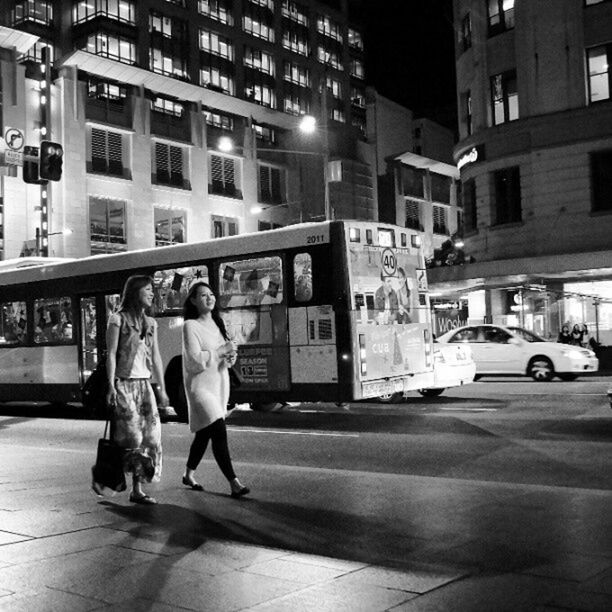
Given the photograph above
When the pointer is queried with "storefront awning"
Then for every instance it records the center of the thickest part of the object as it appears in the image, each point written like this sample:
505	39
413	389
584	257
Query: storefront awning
570	267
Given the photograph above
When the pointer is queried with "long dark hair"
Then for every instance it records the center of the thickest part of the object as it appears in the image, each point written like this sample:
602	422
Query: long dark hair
131	290
191	312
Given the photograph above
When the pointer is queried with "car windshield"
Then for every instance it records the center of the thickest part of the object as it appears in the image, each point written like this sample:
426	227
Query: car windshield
526	335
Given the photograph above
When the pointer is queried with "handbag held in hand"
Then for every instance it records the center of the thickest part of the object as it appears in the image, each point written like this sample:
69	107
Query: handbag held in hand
107	473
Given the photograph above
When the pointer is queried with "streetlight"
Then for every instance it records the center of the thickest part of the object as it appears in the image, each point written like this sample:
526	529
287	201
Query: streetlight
65	232
307	125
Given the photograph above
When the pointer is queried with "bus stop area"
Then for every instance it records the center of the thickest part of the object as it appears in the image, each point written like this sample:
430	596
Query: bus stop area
62	548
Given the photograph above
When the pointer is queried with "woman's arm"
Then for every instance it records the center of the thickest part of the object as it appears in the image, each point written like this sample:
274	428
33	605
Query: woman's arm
112	343
158	370
197	358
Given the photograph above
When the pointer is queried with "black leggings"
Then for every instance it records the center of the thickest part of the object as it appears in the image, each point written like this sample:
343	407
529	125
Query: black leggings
217	433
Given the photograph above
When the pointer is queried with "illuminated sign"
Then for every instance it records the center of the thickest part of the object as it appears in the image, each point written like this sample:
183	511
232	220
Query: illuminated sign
471	156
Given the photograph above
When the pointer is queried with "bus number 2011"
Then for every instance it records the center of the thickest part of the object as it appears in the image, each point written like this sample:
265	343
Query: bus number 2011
315	238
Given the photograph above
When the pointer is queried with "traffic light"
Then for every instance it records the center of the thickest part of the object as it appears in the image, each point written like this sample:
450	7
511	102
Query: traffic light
51	154
30	165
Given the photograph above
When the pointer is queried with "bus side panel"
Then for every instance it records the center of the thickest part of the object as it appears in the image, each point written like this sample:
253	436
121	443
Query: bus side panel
169	337
312	337
40	365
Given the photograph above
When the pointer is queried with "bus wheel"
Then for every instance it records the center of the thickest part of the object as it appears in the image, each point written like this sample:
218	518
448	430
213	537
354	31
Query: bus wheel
390	398
430	392
174	387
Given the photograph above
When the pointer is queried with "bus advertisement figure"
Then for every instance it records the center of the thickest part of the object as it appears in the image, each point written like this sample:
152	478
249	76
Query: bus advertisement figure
133	355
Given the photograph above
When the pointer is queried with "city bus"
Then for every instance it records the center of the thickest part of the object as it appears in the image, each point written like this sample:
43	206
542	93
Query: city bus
334	311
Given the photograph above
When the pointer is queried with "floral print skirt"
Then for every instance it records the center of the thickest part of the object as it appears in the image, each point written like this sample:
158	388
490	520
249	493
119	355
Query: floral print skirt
137	428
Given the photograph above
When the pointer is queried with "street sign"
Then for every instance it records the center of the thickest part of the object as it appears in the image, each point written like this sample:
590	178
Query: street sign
13	138
13	158
389	262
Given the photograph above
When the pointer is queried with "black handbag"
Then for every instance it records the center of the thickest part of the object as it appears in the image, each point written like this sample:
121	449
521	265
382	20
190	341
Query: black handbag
234	379
107	473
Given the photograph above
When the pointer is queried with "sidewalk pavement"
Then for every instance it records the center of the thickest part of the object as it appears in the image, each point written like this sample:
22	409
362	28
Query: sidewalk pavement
63	549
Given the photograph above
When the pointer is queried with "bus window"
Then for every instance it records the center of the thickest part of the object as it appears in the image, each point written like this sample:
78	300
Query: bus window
171	287
112	304
53	320
251	282
13	327
302	277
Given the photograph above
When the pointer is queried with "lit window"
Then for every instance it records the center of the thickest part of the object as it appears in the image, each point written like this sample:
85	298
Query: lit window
504	97
600	75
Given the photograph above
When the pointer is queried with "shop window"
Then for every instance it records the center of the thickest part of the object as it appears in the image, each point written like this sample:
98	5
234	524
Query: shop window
169	227
107	225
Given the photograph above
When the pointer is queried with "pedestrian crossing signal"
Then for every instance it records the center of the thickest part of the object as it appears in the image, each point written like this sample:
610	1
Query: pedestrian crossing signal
51	160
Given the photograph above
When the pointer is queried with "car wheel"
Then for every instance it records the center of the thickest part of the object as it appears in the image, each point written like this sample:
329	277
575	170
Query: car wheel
568	377
430	392
541	369
390	398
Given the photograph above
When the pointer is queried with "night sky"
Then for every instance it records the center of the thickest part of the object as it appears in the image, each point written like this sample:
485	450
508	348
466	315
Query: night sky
410	55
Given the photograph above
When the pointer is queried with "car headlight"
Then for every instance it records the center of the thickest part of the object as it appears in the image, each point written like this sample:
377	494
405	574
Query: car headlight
572	353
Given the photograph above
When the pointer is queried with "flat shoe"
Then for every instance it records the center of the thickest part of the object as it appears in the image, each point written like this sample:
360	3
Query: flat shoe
194	486
145	499
241	492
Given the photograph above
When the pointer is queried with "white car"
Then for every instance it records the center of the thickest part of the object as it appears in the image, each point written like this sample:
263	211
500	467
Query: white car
499	349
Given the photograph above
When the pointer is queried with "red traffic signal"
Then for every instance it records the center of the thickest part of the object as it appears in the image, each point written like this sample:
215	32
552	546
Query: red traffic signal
51	160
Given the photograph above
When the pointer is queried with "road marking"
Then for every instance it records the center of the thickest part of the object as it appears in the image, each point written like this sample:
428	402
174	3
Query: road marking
460	409
295	433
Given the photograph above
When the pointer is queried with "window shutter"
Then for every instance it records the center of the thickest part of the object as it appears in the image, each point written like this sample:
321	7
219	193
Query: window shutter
216	171
176	166
162	162
277	194
98	150
264	183
115	154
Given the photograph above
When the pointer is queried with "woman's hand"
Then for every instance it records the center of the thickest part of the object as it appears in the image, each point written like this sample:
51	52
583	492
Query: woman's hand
164	401
111	396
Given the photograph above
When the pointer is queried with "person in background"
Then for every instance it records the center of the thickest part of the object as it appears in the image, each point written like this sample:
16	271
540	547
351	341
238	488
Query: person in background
565	337
576	335
133	356
207	355
584	342
403	297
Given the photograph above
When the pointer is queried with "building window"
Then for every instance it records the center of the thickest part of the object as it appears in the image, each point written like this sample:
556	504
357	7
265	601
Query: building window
264	226
112	46
601	181
258	59
167	107
269	4
219	120
440	220
256	26
296	12
507	188
224	226
107	225
272	182
334	87
501	16
357	69
504	97
470	216
215	44
264	133
411	180
355	39
360	124
260	94
296	104
440	187
217	10
224	178
39	11
296	41
162	25
106	152
330	58
106	90
600	74
413	215
328	27
337	115
162	62
466	32
169	227
35	52
169	165
213	78
358	97
299	75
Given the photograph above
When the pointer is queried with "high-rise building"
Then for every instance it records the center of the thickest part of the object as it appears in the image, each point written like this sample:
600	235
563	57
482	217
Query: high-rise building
141	94
534	84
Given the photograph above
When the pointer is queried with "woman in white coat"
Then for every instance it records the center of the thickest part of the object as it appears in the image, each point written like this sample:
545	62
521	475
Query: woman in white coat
207	355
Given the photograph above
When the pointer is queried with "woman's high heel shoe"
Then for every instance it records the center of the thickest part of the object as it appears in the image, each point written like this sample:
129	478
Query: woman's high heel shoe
194	486
240	492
